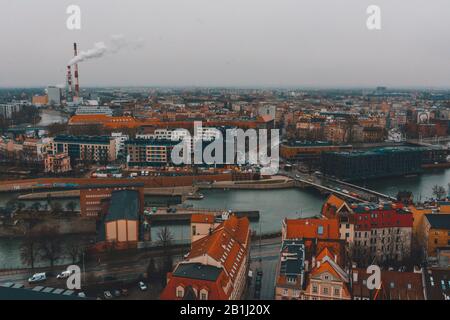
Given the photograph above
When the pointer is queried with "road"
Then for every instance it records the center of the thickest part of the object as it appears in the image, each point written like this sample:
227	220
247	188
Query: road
122	267
264	257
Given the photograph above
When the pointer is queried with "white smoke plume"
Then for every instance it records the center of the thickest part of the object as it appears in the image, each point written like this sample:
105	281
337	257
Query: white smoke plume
100	49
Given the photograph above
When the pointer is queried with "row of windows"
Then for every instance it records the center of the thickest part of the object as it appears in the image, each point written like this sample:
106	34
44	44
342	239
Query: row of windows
203	293
326	290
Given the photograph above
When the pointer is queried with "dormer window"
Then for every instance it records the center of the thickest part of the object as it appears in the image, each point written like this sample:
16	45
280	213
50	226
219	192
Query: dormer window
203	294
291	280
180	292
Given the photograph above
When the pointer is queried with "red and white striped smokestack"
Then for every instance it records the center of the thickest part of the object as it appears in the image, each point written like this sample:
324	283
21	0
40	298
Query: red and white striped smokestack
77	81
69	80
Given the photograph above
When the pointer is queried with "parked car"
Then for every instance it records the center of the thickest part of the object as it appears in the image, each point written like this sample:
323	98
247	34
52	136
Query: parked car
124	292
81	295
65	274
107	295
116	293
37	277
142	286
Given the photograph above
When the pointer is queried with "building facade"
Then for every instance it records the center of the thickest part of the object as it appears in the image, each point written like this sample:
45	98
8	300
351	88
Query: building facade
94	197
85	148
216	267
434	234
58	163
149	152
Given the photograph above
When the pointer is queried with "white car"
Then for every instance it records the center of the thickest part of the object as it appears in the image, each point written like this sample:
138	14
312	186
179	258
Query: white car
297	176
65	274
142	286
37	277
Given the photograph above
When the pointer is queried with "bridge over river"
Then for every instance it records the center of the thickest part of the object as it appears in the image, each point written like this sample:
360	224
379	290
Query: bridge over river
340	188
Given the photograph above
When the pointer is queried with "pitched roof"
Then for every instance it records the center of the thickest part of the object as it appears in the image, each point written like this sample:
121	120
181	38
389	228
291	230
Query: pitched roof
208	218
312	228
437	283
197	271
326	263
394	285
335	201
215	288
439	221
226	249
227	244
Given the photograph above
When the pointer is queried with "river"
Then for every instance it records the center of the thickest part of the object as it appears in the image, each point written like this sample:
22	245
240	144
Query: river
274	205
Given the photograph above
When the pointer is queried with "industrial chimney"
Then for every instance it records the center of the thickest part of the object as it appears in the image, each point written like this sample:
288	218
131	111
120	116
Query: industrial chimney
69	95
77	82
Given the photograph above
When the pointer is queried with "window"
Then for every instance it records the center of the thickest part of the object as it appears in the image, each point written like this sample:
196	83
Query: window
203	294
337	291
285	292
180	292
325	290
314	289
194	231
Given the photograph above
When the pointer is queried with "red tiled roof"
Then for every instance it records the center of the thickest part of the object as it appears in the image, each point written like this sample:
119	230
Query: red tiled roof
228	244
394	285
214	288
309	228
203	218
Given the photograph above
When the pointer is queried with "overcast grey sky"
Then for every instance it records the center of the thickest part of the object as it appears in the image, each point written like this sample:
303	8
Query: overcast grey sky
323	43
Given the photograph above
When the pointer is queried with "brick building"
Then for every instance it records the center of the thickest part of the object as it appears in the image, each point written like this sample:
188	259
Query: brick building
94	198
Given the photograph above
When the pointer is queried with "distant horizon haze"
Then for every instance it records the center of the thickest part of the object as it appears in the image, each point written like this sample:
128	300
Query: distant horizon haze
304	44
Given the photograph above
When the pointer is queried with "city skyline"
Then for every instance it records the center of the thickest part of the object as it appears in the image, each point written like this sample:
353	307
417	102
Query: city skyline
301	44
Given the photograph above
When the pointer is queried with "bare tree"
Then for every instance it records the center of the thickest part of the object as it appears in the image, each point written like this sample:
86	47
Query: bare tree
20	206
12	204
439	192
35	206
50	245
165	237
74	251
29	251
70	206
56	207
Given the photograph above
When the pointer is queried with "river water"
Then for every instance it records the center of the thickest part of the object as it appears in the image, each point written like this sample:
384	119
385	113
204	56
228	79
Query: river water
274	205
